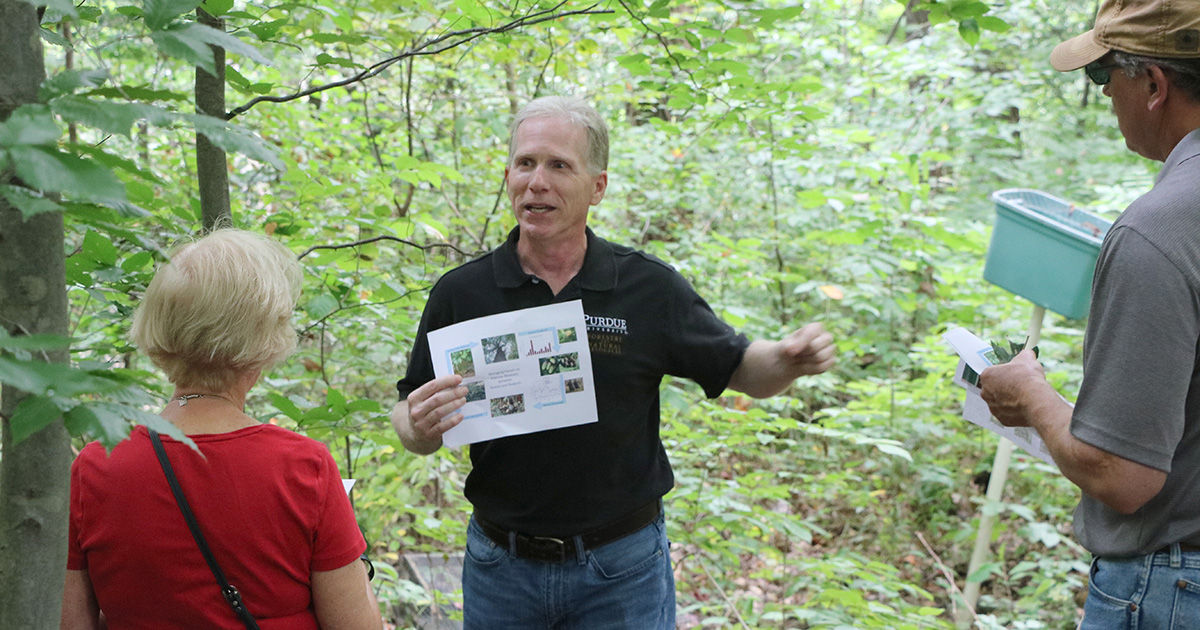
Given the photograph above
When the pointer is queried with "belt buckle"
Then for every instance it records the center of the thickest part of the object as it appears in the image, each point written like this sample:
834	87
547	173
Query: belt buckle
546	546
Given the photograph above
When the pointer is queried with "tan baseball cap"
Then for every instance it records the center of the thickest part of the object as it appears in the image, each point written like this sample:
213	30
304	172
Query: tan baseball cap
1154	28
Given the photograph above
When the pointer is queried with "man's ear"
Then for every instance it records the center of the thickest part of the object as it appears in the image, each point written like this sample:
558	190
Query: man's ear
1158	87
601	185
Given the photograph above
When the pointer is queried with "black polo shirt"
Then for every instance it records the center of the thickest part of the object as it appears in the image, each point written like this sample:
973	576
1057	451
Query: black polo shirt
643	321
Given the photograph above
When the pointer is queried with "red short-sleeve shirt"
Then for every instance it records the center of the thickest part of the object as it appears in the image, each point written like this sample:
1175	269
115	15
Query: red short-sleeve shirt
269	502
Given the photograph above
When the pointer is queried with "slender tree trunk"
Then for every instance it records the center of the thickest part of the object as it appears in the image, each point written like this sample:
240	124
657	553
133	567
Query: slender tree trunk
35	476
212	167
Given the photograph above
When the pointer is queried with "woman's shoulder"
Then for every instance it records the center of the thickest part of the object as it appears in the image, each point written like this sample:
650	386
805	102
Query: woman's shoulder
287	436
284	443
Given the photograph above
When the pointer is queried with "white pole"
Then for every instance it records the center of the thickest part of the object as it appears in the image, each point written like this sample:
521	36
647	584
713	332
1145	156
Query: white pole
995	492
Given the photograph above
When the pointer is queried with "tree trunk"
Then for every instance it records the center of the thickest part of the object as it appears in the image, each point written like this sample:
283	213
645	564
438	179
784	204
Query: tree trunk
212	168
35	476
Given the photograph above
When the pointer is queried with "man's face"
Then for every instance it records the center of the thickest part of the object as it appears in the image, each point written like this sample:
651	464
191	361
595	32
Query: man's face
549	182
1130	103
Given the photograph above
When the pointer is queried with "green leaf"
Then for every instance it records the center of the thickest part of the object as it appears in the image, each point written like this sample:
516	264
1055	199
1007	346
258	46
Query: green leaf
636	64
33	342
116	162
365	404
335	400
157	423
984	572
190	42
160	13
54	379
969	30
53	38
285	406
99	248
475	10
68	81
83	421
235	78
191	50
30	203
227	41
32	414
111	422
29	125
138	93
321	306
968	9
50	170
235	139
109	117
138	261
333	38
326	60
992	23
217	8
892	449
264	31
65	7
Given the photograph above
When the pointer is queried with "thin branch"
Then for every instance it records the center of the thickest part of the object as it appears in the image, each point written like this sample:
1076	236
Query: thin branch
339	309
896	26
382	238
658	36
458	213
487	221
433	46
725	597
949	578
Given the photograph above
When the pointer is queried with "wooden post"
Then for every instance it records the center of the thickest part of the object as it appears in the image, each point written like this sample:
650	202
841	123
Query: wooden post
995	491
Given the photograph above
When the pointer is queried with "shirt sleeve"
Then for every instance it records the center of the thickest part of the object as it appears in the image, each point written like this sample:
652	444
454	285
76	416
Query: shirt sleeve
703	348
338	539
76	559
1141	353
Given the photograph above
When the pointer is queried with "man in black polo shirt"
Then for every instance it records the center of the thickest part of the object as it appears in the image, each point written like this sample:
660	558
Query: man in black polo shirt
568	529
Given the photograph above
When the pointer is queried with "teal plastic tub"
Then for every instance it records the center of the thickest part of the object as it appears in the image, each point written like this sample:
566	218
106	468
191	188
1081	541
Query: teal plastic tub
1044	250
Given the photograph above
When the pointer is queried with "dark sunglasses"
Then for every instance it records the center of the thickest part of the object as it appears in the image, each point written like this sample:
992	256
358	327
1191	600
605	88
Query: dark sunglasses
1099	74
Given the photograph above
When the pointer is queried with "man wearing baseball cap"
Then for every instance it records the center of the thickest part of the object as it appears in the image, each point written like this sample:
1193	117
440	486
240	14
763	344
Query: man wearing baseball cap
1132	442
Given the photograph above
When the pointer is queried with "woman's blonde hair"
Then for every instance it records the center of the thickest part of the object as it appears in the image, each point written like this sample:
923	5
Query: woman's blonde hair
220	307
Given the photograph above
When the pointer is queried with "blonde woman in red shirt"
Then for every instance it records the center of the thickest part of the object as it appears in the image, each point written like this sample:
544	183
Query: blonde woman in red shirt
269	502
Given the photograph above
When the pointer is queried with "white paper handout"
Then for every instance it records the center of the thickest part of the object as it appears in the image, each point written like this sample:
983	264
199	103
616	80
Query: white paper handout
975	356
525	371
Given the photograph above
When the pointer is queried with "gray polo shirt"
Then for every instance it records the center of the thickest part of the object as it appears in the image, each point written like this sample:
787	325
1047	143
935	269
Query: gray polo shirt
1140	397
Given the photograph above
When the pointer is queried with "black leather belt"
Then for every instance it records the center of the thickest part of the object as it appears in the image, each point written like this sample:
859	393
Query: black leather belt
1182	547
549	549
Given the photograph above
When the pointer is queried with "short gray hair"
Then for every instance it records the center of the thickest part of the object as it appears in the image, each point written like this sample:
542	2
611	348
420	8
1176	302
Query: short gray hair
1183	73
575	110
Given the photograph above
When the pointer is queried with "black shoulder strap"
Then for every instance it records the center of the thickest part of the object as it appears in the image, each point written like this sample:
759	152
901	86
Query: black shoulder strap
228	590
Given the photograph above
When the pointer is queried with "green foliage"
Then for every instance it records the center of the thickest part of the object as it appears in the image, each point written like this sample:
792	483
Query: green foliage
827	161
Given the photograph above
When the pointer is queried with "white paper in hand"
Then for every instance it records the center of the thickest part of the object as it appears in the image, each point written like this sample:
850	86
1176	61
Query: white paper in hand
525	371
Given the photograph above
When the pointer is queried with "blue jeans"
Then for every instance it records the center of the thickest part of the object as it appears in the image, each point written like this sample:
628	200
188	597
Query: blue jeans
623	585
1160	591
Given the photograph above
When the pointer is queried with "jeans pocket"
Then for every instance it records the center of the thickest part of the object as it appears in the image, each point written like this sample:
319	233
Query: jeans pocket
1186	612
1112	587
481	550
626	556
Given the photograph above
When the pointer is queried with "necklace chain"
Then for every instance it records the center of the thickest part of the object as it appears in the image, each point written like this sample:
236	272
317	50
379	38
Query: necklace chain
183	400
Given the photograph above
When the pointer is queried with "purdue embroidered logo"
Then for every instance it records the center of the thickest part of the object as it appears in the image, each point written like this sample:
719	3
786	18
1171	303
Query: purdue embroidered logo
606	335
613	325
